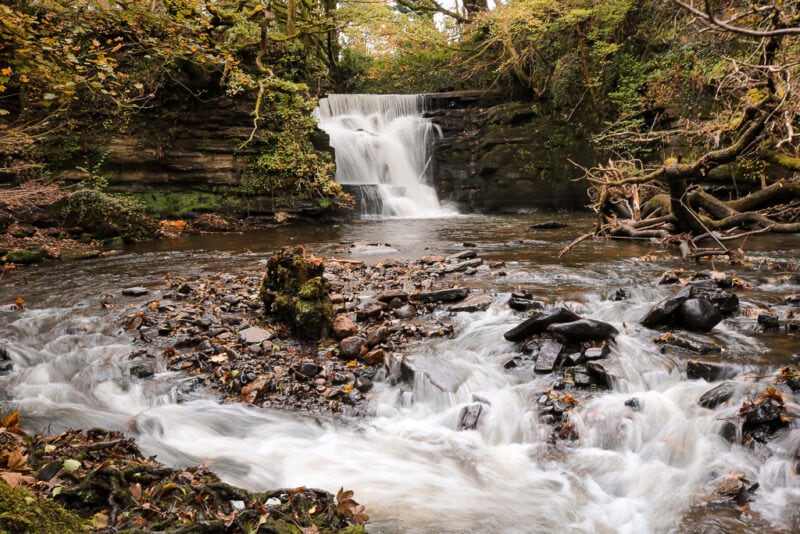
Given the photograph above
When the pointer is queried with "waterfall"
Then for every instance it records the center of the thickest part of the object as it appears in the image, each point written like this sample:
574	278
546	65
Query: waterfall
383	153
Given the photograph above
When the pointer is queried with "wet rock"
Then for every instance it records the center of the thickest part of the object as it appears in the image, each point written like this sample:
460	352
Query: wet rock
573	359
727	430
440	373
5	362
763	417
768	321
726	302
463	255
363	384
255	335
209	222
583	330
375	357
369	310
547	225
525	304
469	416
343	327
698	315
633	404
142	368
443	295
472	304
691	344
308	369
595	353
661	313
708	371
352	347
391	294
619	294
792	299
581	377
377	336
430	260
406	312
717	395
135	291
463	266
538	323
599	373
548	358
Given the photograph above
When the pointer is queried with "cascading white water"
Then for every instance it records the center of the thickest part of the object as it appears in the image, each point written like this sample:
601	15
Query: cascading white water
630	470
383	148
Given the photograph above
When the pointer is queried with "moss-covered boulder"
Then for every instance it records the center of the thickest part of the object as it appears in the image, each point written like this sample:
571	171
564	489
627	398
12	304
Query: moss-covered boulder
22	513
104	215
295	292
26	255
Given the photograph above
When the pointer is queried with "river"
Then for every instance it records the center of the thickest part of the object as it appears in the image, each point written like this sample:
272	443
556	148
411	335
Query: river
654	469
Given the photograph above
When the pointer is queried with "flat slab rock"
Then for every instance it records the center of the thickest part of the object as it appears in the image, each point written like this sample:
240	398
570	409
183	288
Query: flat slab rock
549	354
583	330
255	335
453	294
472	304
538	323
135	291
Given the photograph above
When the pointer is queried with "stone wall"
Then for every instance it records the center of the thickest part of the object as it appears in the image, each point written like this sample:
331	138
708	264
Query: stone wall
506	156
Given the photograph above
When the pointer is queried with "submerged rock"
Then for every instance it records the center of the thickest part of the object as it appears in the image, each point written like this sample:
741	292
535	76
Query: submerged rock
469	416
472	304
538	323
708	371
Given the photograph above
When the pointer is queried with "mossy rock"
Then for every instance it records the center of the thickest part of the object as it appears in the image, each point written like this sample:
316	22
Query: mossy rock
295	292
22	513
26	256
70	255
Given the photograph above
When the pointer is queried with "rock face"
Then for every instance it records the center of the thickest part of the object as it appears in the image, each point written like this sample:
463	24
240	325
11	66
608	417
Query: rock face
496	155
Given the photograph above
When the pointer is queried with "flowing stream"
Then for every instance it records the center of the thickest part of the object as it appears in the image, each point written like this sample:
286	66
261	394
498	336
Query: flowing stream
383	153
651	470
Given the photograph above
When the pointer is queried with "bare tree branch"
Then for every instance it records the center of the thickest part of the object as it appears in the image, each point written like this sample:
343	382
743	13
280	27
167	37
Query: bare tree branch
709	18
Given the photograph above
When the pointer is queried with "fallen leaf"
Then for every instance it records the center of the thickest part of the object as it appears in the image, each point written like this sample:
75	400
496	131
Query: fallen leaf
19	303
16	479
16	461
136	491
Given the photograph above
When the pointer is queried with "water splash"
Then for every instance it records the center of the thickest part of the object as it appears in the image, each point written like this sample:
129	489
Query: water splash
383	152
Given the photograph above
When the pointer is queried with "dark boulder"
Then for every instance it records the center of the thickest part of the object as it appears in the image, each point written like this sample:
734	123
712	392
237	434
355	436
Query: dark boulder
352	347
525	304
717	395
583	330
442	295
538	323
708	371
698	314
661	313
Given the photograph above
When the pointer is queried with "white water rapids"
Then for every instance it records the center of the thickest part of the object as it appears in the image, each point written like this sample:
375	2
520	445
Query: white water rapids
383	149
629	471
